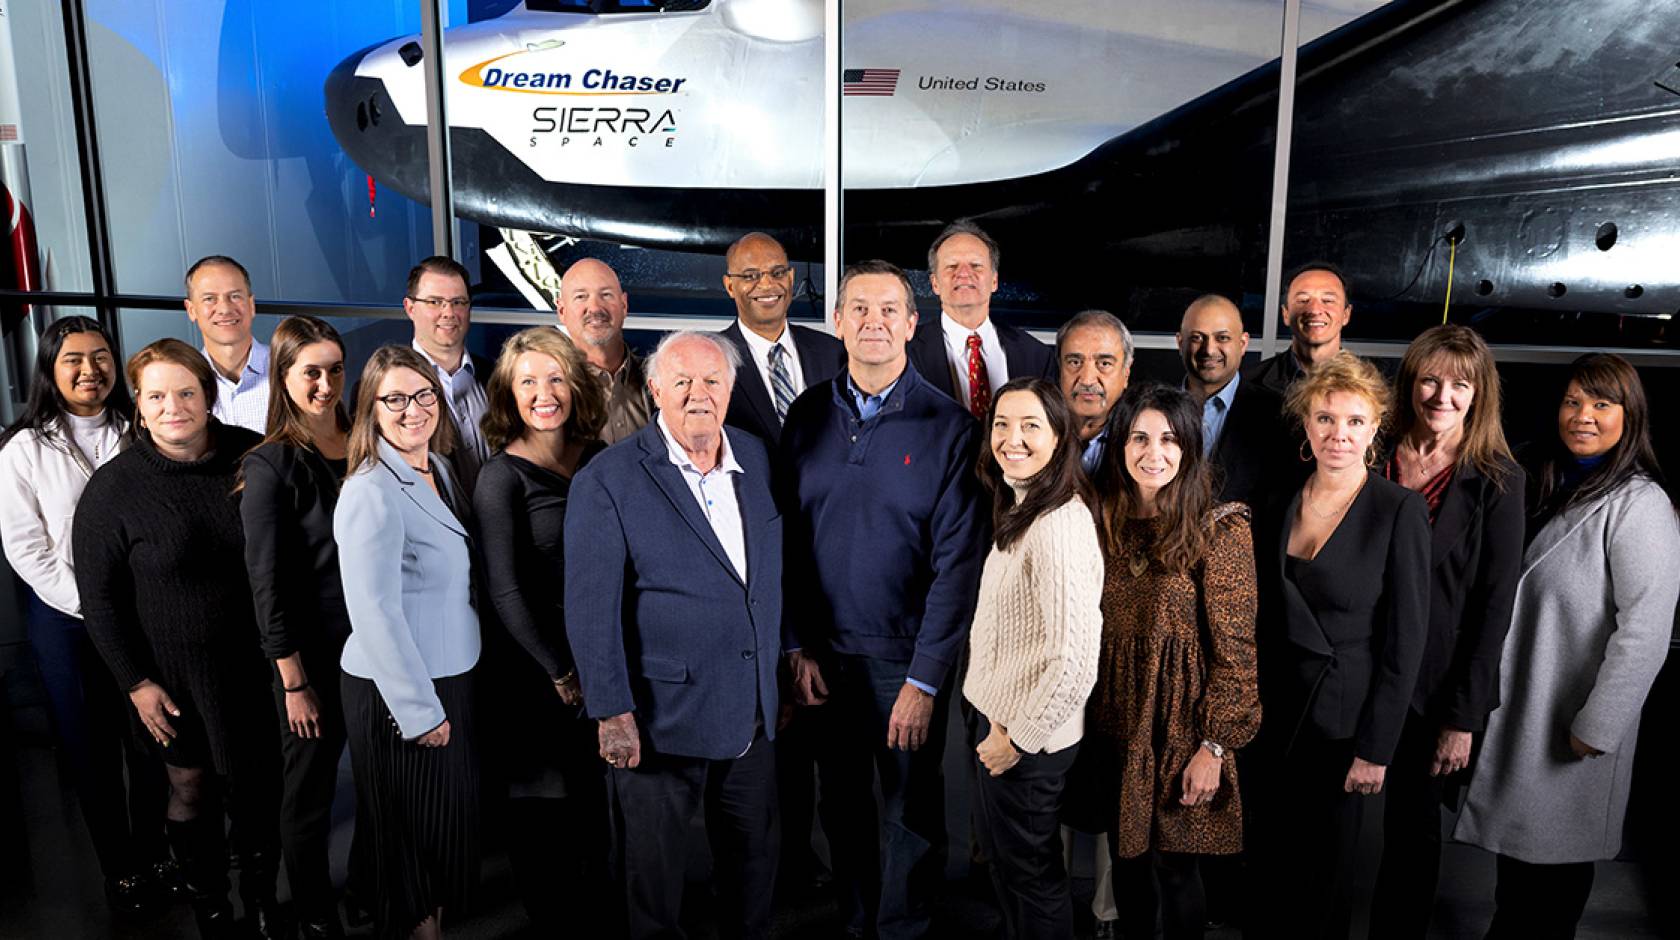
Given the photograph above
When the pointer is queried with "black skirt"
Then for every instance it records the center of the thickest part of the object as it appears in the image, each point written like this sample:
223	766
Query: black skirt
419	807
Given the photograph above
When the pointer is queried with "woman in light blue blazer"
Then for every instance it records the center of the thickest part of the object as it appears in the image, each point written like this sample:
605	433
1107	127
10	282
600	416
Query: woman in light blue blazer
404	554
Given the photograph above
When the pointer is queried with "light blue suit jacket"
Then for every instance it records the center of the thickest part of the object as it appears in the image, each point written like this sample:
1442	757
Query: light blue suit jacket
407	571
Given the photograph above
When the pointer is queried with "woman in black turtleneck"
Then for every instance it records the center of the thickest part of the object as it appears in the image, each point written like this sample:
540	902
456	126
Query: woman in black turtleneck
160	568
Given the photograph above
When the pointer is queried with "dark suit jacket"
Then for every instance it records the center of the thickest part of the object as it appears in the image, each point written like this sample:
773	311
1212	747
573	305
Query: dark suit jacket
821	357
1346	666
1026	356
659	622
287	509
1476	553
1255	448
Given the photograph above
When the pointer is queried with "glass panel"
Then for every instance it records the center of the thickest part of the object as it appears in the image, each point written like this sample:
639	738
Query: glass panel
217	139
41	166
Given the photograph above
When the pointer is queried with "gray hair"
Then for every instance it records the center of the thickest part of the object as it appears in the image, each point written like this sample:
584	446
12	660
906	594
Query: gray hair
963	227
726	349
1100	318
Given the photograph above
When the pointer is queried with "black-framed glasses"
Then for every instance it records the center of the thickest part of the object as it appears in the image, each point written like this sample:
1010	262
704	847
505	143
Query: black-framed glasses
752	275
439	303
398	402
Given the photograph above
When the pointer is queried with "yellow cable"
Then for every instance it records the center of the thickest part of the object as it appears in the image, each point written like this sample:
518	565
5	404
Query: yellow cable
1452	256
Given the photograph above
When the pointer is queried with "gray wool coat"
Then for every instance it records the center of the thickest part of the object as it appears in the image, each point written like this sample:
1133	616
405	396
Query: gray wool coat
1591	627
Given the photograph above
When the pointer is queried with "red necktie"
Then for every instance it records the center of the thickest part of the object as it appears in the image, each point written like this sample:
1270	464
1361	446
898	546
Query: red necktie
979	387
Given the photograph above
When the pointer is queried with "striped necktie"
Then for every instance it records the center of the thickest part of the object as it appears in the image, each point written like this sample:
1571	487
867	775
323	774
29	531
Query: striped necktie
781	383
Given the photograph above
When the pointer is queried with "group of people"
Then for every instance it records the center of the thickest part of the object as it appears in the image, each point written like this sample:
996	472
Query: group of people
1204	621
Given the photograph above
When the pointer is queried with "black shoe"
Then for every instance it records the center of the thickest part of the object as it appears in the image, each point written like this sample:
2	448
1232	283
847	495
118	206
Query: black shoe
132	895
166	879
214	917
258	872
325	929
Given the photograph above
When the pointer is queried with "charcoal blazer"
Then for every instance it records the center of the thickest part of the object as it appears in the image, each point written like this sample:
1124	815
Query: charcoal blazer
1255	447
1025	355
821	357
659	621
1346	665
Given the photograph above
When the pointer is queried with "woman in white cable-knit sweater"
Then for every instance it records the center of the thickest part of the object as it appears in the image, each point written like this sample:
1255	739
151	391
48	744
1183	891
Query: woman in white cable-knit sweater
1033	649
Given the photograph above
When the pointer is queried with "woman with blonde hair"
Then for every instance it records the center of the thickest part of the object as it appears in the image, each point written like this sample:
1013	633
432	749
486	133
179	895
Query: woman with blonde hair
1450	448
1344	616
405	555
542	425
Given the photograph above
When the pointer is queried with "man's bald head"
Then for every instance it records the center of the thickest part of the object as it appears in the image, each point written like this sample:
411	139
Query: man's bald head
593	305
1212	343
760	281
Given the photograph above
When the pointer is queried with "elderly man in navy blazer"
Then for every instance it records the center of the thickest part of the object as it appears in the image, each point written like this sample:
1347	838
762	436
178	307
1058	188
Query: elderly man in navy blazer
963	352
782	360
886	541
673	610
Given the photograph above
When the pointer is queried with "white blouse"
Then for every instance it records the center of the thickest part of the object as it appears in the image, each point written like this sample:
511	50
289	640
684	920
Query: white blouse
42	474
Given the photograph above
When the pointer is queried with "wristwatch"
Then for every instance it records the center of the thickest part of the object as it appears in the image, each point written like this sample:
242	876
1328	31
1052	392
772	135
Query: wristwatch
1216	750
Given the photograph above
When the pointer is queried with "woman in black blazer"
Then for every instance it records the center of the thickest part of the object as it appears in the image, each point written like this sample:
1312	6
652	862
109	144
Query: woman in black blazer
290	485
1346	564
1451	449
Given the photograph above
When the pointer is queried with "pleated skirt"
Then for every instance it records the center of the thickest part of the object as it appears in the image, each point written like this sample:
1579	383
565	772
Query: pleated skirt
420	807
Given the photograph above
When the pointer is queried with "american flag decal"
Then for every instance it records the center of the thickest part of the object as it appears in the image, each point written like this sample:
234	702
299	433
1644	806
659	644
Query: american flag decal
876	82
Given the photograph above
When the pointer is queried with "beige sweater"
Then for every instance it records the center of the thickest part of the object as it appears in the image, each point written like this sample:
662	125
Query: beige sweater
1037	631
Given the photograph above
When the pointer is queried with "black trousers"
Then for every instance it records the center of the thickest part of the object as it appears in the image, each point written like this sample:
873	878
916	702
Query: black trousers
92	720
650	808
1411	858
1306	843
1018	817
309	775
888	867
796	785
1539	902
1164	884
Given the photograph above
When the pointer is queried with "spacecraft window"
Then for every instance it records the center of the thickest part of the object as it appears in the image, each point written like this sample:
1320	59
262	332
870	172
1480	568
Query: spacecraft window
616	6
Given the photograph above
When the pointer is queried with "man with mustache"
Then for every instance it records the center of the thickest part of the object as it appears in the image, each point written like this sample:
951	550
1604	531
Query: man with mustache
439	304
1094	351
784	359
886	540
592	309
964	352
1243	433
219	303
1316	307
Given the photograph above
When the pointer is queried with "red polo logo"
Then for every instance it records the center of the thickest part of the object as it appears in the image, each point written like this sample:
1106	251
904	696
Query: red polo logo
907	460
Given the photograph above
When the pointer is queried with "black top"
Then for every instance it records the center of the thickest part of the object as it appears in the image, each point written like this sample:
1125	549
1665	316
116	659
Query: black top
287	511
1341	637
821	357
159	553
521	511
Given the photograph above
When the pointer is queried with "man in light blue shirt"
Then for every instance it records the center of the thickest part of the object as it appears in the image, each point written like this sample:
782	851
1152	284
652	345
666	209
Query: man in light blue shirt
219	303
1094	360
1244	434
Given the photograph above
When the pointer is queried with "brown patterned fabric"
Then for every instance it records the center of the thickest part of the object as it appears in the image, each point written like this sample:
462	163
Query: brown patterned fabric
1177	666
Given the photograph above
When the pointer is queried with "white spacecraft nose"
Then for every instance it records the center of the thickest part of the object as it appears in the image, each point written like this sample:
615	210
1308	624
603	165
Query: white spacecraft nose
774	20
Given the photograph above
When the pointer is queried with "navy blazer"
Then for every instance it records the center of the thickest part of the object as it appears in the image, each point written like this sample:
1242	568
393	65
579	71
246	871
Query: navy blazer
821	357
659	622
1025	355
1255	453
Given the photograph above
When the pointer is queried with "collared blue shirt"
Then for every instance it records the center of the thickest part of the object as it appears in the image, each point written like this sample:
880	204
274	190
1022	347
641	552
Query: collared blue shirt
1215	410
1093	452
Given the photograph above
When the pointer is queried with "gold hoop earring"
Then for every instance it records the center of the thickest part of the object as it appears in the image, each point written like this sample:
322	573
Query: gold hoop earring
1306	456
1371	455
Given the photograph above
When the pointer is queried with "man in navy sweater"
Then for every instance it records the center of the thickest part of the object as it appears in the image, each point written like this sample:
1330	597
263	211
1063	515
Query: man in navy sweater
885	542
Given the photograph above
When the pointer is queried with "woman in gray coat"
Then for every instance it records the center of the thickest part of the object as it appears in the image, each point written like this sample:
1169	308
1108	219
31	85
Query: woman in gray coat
1590	629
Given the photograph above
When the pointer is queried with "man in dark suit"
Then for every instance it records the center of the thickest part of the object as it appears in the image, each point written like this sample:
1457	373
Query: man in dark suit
673	610
963	352
1316	307
1244	432
781	360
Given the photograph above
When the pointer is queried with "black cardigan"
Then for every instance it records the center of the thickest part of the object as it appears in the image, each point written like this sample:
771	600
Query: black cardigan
1340	651
290	555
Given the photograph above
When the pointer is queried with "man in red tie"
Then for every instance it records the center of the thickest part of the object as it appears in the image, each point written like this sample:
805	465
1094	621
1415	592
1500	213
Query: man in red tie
963	352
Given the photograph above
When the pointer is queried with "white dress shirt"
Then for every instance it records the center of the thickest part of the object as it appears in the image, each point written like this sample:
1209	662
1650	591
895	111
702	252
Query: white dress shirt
956	350
467	404
759	347
245	402
715	492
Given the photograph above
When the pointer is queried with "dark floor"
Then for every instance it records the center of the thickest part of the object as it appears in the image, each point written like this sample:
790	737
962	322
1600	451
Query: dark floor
49	886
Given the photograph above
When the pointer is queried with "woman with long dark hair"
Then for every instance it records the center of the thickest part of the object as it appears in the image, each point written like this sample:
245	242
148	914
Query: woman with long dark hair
1450	449
1032	652
403	548
543	424
158	551
1176	691
75	421
1589	630
289	489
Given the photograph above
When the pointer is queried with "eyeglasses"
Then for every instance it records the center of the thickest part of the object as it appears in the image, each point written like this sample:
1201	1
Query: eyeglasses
439	303
398	402
752	275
